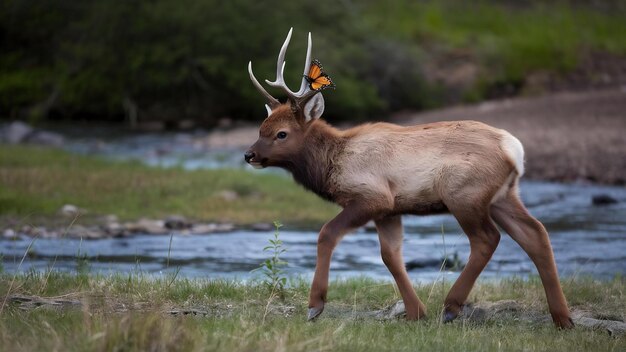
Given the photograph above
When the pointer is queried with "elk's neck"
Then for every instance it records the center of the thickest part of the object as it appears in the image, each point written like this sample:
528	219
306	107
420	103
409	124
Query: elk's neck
314	166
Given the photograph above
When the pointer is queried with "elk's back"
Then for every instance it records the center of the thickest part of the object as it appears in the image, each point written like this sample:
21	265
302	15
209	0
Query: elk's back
412	167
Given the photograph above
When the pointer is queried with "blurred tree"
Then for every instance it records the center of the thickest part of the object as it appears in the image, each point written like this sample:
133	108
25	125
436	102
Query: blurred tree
171	60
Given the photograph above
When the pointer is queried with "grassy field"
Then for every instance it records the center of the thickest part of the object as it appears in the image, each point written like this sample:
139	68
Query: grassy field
35	183
133	312
511	39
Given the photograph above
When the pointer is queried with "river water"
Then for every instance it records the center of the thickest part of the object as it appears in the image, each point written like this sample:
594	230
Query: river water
588	240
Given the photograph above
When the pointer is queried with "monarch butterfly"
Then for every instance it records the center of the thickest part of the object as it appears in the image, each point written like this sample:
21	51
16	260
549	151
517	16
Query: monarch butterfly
317	78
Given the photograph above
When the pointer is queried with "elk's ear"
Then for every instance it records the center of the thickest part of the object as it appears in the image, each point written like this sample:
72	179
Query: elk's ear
314	108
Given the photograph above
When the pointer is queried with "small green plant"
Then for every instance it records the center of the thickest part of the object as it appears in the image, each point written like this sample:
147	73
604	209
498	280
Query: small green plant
82	261
275	278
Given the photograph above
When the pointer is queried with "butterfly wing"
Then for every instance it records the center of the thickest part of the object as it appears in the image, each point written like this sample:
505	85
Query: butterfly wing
317	78
322	82
315	71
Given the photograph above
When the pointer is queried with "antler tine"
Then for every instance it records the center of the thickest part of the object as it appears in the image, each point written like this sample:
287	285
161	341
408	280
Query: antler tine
280	68
273	102
305	91
307	66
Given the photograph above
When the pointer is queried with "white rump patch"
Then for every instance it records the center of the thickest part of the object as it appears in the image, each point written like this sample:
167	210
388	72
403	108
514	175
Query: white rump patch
514	150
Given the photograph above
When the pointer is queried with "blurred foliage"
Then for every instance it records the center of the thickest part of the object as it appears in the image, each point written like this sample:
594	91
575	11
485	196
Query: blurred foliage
171	60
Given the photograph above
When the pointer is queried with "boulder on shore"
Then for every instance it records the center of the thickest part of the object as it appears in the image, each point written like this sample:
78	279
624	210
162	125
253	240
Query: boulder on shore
20	132
176	222
15	132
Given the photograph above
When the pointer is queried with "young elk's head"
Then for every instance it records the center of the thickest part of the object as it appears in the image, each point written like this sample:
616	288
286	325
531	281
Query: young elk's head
281	135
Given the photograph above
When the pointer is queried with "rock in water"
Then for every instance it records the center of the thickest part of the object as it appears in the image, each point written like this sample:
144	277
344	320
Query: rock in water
45	138
603	199
422	263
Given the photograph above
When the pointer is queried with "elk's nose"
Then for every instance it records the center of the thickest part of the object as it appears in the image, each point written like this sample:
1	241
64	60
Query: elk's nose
249	155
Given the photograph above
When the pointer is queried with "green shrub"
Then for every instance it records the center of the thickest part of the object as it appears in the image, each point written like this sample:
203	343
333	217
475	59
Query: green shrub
186	59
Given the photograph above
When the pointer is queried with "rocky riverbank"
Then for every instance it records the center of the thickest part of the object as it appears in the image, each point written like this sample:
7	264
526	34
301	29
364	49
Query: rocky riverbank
110	226
77	223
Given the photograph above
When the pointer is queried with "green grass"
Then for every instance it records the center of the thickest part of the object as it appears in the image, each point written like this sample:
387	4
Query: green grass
128	312
35	183
508	41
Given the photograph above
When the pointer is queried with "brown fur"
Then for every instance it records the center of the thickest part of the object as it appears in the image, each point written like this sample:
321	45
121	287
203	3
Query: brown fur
379	171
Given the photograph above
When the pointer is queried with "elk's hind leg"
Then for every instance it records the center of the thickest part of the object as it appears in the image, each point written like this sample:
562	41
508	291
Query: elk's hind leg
530	234
390	236
484	238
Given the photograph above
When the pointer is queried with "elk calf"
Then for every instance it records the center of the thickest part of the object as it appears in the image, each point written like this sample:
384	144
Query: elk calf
380	171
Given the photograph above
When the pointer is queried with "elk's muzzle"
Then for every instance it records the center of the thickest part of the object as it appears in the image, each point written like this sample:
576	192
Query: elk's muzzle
249	155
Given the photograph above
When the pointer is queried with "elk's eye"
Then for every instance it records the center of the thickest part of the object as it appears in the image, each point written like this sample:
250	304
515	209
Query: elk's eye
281	135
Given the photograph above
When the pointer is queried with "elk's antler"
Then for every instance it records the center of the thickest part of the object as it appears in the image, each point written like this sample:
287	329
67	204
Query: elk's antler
272	102
300	97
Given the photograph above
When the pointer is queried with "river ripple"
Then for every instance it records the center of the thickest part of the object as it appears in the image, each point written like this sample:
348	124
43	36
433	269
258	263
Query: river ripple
588	241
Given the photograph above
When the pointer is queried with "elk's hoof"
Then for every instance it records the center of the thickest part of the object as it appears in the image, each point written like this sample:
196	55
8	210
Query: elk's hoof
564	323
314	313
449	316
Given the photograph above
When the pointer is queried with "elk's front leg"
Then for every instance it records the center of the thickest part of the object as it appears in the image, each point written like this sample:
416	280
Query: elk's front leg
350	218
390	236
